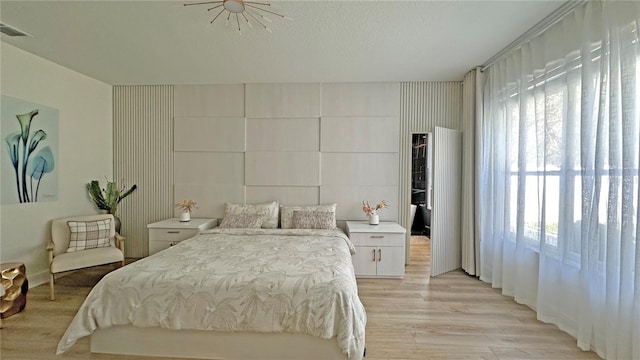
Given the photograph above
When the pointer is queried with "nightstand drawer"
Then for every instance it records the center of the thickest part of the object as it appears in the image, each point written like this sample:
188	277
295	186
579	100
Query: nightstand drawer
377	239
170	235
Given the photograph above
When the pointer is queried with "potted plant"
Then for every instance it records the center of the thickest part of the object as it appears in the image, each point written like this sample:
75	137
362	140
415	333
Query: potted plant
187	207
109	197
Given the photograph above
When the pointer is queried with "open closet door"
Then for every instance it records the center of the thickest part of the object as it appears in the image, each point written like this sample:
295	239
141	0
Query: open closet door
445	216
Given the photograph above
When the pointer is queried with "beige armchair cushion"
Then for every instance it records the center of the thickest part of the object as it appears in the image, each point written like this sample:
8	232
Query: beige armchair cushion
85	258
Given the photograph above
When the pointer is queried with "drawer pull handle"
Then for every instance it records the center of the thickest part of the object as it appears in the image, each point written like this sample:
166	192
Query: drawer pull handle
173	232
374	255
379	255
377	236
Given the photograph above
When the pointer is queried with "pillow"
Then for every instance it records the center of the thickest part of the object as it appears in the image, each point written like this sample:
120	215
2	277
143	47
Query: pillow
242	221
269	211
303	219
89	234
286	213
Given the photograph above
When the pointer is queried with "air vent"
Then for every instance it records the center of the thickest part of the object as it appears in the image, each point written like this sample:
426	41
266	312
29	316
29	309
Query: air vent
11	31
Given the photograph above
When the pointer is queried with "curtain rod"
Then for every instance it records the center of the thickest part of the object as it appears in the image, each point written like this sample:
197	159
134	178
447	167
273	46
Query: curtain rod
536	30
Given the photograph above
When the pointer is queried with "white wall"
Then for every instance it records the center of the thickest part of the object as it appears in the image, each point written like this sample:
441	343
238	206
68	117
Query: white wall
85	151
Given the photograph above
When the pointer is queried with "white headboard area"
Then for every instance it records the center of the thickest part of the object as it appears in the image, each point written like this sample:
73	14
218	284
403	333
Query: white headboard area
301	143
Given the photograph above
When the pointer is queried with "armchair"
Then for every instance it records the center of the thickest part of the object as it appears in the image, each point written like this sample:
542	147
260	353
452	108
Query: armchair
61	261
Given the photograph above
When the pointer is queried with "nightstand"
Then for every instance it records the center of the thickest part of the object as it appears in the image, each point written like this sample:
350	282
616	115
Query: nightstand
165	233
379	249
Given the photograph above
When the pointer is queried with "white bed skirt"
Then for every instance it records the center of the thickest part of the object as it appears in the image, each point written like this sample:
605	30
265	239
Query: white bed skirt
198	344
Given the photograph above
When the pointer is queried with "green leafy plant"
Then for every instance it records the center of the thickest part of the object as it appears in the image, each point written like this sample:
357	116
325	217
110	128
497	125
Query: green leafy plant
109	197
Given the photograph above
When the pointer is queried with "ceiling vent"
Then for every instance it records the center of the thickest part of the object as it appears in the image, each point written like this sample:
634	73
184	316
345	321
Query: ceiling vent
11	31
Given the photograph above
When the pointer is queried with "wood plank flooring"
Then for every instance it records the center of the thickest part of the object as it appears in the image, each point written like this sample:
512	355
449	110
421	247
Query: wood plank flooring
453	316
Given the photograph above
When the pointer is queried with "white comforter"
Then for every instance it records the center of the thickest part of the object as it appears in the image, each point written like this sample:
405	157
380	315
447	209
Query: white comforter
294	281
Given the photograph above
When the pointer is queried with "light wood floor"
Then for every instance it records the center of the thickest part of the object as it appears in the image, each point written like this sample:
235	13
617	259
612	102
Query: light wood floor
453	316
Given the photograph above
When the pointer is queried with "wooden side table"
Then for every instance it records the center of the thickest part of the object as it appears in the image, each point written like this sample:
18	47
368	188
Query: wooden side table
15	286
165	233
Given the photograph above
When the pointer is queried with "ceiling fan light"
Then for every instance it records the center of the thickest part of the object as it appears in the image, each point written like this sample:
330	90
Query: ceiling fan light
234	6
241	8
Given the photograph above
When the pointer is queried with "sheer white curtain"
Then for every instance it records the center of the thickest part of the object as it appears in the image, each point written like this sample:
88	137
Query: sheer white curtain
471	141
559	176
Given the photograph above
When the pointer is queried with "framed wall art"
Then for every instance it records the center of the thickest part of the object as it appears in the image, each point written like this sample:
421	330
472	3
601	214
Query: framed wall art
29	134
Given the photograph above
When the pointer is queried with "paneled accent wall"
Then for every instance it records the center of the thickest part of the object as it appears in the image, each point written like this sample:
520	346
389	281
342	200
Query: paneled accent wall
295	143
424	105
359	149
143	155
209	146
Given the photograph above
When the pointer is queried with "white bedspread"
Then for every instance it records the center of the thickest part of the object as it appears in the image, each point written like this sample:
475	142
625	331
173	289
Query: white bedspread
294	281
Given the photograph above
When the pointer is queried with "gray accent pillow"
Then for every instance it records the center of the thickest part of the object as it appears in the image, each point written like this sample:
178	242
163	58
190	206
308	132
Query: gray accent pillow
305	219
251	221
286	213
269	211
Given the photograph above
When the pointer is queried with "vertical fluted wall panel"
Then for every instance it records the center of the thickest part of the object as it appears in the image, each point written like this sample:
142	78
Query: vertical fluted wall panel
143	155
423	106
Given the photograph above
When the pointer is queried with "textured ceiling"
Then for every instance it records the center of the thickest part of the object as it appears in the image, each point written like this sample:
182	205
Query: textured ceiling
164	42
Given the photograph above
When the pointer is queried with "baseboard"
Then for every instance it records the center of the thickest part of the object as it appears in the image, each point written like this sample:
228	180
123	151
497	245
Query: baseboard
38	278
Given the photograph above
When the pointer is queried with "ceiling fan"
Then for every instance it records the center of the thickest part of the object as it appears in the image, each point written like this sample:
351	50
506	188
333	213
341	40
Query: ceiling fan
247	10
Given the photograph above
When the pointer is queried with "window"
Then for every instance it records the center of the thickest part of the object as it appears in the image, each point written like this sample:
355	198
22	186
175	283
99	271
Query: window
550	163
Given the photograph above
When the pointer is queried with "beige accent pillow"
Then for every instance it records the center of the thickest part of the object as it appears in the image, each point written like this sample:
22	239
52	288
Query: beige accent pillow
303	219
286	213
251	221
269	211
89	234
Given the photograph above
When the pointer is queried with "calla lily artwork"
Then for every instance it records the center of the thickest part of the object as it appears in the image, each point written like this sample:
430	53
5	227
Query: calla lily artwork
30	139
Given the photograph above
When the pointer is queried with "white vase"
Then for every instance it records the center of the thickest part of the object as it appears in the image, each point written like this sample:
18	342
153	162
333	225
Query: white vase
374	219
185	216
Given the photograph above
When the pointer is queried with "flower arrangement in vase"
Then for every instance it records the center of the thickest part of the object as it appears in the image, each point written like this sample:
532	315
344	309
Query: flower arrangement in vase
186	207
372	211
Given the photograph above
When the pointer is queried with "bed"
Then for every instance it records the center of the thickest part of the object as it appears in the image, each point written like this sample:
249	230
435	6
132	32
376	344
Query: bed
231	294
